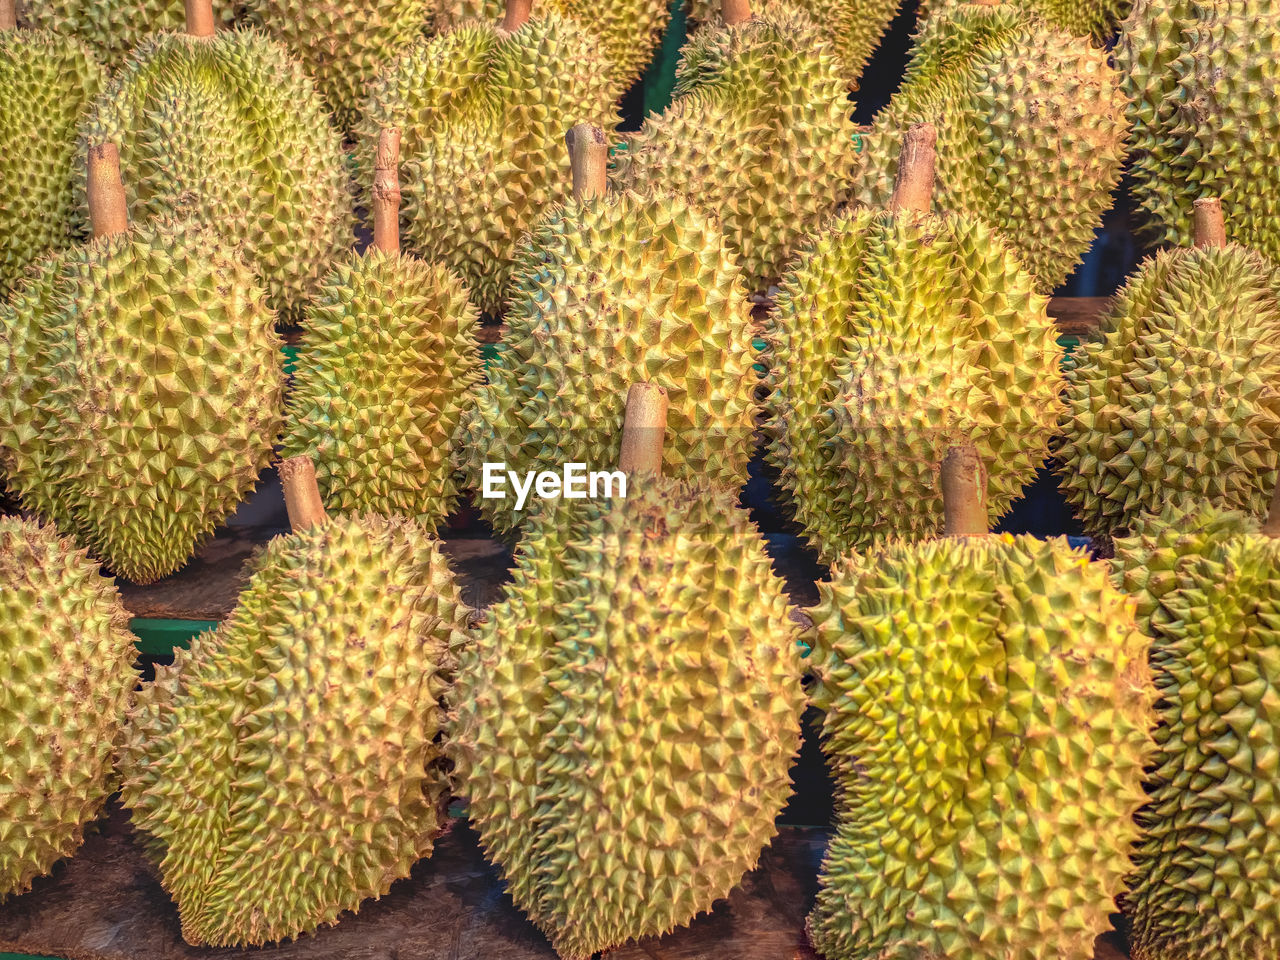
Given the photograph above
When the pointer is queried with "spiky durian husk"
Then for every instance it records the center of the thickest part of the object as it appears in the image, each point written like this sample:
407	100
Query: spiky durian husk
1206	883
343	44
760	133
112	28
608	293
625	722
629	31
483	115
140	382
892	340
386	372
1204	78
1179	397
1031	131
46	84
987	708
68	675
230	129
1096	19
285	769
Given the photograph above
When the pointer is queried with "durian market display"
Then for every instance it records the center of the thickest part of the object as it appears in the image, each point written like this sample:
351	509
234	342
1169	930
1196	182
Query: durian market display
1179	397
625	721
140	384
112	28
1031	130
227	127
1206	882
46	83
987	704
66	676
1204	80
895	336
387	369
1096	19
611	288
285	769
482	111
760	133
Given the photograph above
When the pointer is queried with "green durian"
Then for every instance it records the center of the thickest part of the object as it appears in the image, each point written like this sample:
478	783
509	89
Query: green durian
387	370
609	291
1031	131
625	722
1179	395
1204	83
140	392
112	28
987	707
230	129
1206	881
285	769
1096	19
46	84
483	114
68	676
759	133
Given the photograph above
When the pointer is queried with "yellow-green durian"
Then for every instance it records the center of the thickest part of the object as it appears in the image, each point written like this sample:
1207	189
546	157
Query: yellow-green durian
625	722
987	707
285	769
112	28
759	133
66	661
387	369
46	83
1096	19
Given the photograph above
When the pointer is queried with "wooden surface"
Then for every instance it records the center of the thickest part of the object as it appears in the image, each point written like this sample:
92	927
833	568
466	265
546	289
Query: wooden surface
1078	316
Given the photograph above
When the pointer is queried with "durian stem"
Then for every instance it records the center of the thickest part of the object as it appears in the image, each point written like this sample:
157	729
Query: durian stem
517	14
913	188
964	493
1209	230
386	191
644	428
301	493
735	11
588	161
200	18
8	14
108	208
1271	526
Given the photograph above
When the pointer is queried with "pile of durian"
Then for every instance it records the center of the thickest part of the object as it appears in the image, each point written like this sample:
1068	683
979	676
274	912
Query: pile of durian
1024	739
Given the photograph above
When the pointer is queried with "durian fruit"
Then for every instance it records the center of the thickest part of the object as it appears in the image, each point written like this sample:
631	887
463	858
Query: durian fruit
1179	396
625	722
760	133
1204	80
987	704
1206	881
1031	130
386	372
140	385
896	335
1096	19
629	31
482	109
46	84
608	289
112	28
286	768
228	128
66	662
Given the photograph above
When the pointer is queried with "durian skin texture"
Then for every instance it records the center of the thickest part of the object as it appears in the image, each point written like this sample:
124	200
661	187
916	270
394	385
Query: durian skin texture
482	116
760	132
140	392
626	719
284	770
1031	131
231	129
1096	19
67	668
112	28
987	709
46	84
611	292
1179	397
387	370
1206	882
1204	79
892	340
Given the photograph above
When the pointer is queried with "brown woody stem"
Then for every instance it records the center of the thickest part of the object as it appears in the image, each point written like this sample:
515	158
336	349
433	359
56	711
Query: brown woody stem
517	14
386	191
108	209
1208	227
588	161
8	14
735	11
913	188
301	493
200	18
643	429
964	493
